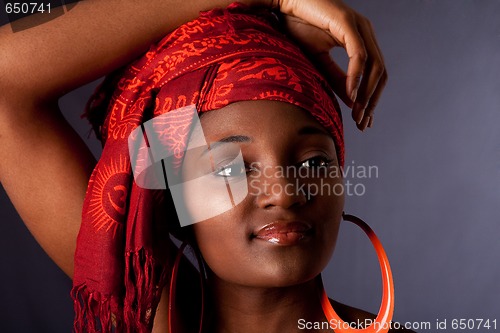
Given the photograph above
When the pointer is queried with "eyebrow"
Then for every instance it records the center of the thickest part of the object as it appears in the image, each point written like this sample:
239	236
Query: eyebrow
306	130
228	139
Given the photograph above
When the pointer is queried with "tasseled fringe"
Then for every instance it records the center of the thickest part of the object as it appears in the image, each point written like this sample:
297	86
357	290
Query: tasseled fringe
144	281
96	313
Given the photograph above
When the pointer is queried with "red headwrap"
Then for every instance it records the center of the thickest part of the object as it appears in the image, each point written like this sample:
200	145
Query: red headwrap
222	57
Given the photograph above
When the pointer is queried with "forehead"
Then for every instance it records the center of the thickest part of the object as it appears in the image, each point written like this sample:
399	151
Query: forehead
256	118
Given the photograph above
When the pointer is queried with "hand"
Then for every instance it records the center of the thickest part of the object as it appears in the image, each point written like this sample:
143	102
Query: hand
320	25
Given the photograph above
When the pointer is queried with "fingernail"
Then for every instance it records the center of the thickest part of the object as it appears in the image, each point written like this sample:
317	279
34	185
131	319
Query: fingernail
371	122
360	127
360	117
364	124
354	94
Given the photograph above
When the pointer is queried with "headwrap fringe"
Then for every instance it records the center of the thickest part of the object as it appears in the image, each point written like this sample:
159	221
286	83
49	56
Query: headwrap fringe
95	312
144	283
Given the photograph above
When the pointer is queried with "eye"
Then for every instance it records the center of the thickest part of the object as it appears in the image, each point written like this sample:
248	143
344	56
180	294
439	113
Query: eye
316	162
231	170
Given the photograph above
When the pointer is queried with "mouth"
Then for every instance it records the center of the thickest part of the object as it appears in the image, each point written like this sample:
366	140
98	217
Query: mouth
284	233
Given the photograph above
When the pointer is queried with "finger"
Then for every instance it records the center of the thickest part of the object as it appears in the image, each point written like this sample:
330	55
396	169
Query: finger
374	71
382	83
365	122
357	53
368	116
374	39
335	76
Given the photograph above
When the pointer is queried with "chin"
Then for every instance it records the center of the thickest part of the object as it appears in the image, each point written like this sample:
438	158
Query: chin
279	275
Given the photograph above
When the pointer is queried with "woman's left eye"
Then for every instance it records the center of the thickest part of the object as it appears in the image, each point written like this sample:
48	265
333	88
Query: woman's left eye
316	162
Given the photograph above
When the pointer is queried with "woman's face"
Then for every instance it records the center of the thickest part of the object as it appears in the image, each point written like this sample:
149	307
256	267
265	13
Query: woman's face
267	193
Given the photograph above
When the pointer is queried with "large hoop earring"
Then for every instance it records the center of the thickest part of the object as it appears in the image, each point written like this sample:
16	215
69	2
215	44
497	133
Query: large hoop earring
382	323
173	282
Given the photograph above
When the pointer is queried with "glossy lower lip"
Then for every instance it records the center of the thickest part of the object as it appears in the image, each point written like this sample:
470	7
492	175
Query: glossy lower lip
284	233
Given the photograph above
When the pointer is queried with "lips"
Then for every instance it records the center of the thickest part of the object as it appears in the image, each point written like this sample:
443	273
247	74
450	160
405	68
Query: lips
284	232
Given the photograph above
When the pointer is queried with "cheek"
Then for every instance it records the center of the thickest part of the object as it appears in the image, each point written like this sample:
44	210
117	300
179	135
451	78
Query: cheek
208	196
222	246
326	194
327	207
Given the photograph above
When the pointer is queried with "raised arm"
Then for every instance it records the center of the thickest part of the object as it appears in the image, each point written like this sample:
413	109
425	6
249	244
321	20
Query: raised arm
88	42
44	165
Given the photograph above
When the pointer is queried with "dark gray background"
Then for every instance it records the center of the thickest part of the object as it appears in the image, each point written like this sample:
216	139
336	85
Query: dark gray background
435	203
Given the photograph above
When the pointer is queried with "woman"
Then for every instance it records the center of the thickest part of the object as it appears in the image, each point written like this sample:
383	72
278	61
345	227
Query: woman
55	133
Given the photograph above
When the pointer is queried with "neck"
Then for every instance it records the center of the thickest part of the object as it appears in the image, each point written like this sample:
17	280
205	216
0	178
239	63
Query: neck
246	309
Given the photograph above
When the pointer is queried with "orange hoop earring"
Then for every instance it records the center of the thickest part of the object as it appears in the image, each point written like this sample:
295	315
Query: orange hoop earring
383	321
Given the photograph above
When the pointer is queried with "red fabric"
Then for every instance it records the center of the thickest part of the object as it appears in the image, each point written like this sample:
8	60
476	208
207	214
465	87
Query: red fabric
224	56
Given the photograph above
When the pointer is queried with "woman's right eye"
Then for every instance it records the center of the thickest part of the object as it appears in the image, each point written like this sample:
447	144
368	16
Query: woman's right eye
231	170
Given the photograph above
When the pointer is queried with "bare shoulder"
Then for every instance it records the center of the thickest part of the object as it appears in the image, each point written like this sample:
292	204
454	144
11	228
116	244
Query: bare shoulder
351	314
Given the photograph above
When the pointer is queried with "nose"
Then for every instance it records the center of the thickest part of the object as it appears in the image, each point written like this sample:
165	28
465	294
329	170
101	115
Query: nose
273	189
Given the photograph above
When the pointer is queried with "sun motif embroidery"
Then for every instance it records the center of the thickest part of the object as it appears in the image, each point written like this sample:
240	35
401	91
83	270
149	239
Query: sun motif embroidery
107	206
